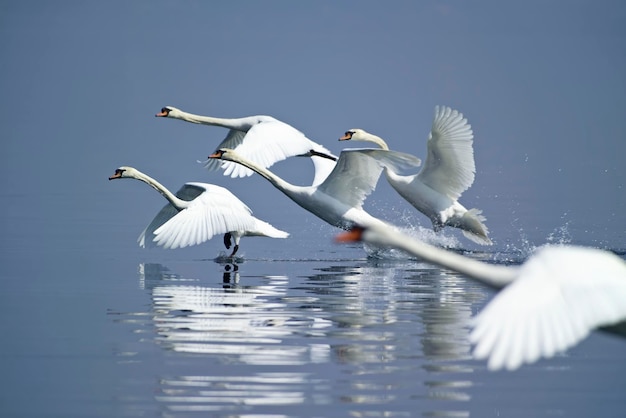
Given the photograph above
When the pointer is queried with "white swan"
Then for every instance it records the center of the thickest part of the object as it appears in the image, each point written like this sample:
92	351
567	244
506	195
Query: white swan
339	199
448	172
196	213
263	140
550	303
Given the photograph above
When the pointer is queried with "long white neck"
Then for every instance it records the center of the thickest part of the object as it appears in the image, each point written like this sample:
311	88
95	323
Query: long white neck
176	202
285	187
495	276
366	136
241	124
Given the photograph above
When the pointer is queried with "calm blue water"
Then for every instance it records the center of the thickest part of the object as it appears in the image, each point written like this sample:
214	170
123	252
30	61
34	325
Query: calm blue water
94	326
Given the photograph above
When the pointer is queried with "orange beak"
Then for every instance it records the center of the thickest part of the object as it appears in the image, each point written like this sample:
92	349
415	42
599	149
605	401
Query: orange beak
346	137
216	154
115	176
161	114
353	235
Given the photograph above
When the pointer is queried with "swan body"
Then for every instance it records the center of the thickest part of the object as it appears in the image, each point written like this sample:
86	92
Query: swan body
338	200
548	304
448	171
196	213
263	140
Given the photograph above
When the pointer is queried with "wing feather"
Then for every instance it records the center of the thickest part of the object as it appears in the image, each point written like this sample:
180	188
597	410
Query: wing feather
357	171
233	139
187	192
215	211
561	294
449	167
264	144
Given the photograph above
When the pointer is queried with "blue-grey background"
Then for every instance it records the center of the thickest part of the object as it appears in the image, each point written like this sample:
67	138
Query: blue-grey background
542	83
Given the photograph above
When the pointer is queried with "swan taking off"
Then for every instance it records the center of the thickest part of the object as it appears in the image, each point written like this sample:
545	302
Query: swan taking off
261	139
550	303
339	199
196	213
448	171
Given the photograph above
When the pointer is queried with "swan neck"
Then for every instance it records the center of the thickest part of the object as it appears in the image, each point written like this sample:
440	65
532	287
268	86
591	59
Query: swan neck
263	172
492	275
176	202
376	140
205	120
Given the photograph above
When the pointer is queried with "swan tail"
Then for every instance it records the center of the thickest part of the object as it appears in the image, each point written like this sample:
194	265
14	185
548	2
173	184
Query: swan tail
473	227
264	229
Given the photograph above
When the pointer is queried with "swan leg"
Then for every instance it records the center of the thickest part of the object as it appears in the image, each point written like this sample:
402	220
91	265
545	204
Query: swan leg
236	235
227	237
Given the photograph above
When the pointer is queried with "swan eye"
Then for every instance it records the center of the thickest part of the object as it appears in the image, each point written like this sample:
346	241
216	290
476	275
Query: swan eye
119	171
165	110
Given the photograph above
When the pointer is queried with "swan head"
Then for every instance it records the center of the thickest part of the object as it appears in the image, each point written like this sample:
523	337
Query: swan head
362	135
380	235
124	172
222	154
353	134
354	234
169	112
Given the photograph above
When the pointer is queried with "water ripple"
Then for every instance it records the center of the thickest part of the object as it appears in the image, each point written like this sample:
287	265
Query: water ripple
363	333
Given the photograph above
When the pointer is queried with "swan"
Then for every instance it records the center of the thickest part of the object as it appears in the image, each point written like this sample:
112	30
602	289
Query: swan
448	172
338	200
549	303
196	213
262	139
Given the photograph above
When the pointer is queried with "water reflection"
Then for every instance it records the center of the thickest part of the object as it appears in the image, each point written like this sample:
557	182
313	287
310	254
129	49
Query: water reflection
381	337
245	323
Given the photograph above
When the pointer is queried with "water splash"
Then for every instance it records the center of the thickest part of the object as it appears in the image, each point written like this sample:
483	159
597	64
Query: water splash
427	235
560	236
516	253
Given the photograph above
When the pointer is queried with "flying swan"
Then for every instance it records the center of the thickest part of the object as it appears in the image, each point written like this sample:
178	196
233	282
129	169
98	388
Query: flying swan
263	140
548	304
196	213
338	200
448	171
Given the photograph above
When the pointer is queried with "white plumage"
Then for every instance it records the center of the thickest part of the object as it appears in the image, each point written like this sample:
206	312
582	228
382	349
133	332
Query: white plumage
338	200
196	213
560	294
550	303
447	172
261	139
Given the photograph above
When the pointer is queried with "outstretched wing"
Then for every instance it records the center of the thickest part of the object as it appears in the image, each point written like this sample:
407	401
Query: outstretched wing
449	167
357	171
215	211
265	144
561	294
188	192
233	140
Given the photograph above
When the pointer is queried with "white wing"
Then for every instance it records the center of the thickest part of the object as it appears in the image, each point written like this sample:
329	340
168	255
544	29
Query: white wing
234	139
188	192
561	294
357	171
265	144
323	168
449	166
215	211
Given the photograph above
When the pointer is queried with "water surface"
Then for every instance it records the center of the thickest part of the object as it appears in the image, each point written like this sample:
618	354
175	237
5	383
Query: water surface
293	329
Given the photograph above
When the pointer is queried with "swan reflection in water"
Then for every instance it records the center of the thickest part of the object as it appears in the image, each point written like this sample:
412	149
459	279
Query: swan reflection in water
245	323
411	324
388	331
233	331
362	299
